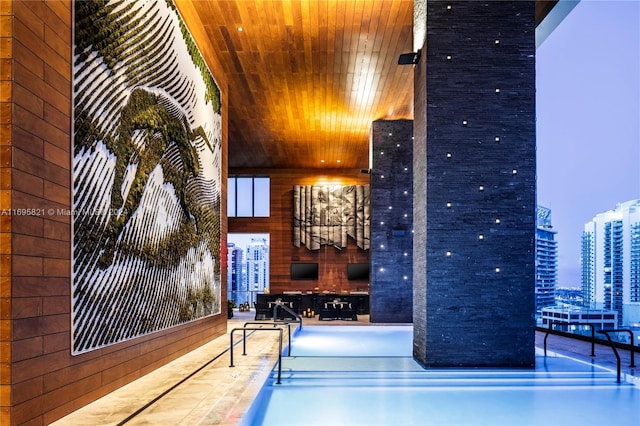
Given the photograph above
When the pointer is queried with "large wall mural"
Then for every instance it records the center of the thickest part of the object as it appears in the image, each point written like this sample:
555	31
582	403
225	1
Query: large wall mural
146	174
327	215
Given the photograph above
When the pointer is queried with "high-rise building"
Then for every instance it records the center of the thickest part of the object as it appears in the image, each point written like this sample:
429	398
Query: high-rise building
235	276
546	259
611	261
257	266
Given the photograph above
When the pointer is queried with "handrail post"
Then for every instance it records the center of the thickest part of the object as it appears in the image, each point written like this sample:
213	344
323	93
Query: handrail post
593	339
547	335
244	341
280	357
231	347
633	364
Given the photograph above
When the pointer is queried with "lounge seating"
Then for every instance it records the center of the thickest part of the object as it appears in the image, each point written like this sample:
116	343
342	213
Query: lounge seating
262	311
328	311
337	309
348	312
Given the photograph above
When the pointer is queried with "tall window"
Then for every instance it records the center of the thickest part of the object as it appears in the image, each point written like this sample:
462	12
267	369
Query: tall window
248	196
248	272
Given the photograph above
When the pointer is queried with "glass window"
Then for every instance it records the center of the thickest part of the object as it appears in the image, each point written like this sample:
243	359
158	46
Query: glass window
261	193
244	197
248	196
231	197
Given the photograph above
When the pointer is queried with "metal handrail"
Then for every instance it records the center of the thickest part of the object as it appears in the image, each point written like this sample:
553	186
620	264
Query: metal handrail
279	304
244	329
631	349
244	335
593	335
615	351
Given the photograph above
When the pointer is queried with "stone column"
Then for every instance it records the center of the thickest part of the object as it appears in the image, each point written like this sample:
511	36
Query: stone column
391	216
474	186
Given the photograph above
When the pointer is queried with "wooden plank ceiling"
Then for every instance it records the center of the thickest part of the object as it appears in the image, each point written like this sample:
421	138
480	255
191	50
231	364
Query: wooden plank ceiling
306	77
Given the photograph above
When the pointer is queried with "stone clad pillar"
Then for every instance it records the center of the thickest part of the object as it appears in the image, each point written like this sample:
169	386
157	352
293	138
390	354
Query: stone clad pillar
391	216
474	186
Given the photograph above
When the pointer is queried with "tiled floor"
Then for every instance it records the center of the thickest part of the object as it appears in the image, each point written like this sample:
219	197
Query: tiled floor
216	394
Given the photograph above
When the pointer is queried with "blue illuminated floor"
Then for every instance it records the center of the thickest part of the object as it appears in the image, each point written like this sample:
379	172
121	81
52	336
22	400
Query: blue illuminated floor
331	380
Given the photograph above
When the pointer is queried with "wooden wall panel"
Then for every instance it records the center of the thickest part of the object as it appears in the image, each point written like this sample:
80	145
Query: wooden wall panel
332	261
6	113
40	380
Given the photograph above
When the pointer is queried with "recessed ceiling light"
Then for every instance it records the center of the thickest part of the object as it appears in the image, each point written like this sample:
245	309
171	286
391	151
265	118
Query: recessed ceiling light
322	161
337	161
240	29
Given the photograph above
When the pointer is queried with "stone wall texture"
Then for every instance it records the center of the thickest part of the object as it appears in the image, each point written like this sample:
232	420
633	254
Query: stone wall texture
391	222
474	190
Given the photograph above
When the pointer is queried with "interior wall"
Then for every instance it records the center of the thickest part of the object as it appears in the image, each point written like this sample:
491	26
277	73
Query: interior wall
41	380
332	262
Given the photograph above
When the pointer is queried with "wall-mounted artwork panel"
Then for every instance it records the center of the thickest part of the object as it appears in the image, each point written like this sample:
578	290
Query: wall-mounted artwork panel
146	174
327	215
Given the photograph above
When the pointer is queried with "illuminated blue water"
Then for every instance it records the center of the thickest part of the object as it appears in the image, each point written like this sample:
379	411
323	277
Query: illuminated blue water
357	375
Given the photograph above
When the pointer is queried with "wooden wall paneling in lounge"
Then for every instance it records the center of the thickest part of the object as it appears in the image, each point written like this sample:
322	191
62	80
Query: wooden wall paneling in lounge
331	261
